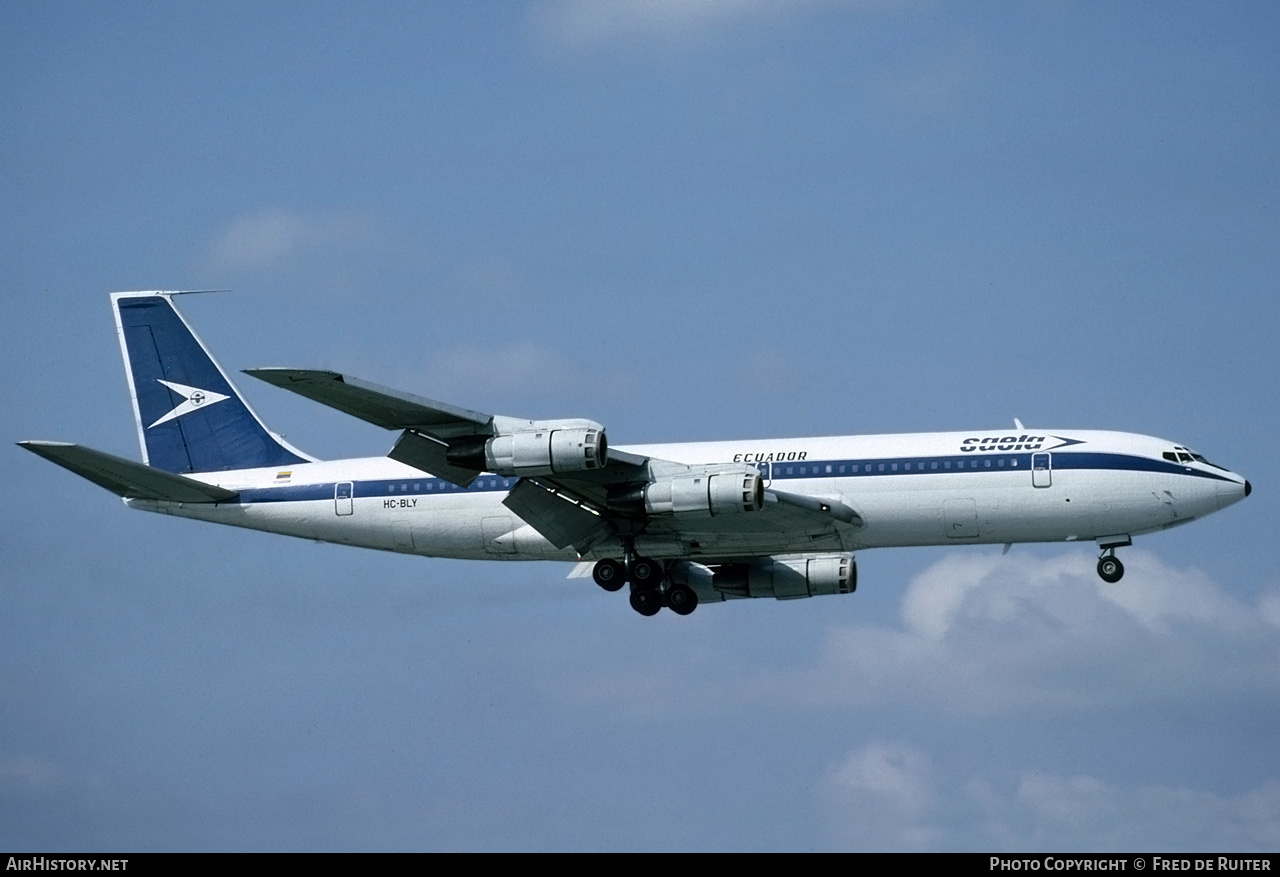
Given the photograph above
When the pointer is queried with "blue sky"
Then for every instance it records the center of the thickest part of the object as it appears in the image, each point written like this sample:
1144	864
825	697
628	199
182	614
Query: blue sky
686	221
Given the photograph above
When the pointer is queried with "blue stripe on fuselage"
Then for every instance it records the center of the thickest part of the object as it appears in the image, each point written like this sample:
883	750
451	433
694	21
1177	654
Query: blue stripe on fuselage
968	464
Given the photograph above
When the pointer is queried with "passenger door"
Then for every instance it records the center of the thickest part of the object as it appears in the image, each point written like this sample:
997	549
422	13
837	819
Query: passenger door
1041	470
342	494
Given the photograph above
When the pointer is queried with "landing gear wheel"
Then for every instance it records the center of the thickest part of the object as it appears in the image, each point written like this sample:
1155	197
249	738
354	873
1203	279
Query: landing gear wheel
646	572
682	599
646	601
609	574
1110	569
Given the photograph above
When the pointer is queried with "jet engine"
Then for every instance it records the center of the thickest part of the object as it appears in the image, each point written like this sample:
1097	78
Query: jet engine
710	492
788	578
537	449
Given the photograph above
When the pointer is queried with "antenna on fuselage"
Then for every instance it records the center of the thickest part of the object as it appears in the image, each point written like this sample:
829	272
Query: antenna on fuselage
1017	424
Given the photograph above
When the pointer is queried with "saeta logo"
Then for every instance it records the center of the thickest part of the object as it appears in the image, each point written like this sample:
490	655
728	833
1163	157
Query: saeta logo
1016	443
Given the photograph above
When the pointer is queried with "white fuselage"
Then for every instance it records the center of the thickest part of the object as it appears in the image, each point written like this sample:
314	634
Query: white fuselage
915	489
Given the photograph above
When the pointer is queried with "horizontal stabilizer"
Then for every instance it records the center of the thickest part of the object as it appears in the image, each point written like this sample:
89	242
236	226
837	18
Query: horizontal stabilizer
125	477
381	406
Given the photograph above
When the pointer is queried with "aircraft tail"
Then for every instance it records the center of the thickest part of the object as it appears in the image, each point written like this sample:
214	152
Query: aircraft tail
189	416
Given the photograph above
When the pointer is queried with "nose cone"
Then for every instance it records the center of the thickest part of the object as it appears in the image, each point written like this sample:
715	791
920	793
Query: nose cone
1230	492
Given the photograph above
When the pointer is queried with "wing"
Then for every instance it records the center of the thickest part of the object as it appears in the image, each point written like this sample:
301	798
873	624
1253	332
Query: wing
390	409
573	488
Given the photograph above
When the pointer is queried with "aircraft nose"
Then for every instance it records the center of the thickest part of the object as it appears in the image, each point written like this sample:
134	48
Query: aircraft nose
1230	492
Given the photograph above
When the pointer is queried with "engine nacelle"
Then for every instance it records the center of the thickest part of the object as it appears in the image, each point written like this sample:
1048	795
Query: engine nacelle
709	493
789	578
536	449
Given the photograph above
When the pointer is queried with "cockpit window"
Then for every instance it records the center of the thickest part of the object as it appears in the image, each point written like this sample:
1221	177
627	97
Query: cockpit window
1186	455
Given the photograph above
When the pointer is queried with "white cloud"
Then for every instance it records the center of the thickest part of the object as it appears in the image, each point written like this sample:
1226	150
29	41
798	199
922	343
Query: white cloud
1037	810
1084	812
1160	599
271	236
994	666
931	604
1270	609
881	798
897	776
990	636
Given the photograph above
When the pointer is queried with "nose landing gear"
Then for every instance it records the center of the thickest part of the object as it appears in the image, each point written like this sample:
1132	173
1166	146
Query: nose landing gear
1110	569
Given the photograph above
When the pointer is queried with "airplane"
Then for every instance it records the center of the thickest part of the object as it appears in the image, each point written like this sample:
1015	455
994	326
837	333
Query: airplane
681	524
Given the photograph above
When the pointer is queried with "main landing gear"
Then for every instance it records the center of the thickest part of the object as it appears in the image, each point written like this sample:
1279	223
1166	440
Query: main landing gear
609	574
1110	569
650	587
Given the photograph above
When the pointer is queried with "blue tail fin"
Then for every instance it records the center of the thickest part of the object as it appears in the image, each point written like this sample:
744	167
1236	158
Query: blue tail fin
189	416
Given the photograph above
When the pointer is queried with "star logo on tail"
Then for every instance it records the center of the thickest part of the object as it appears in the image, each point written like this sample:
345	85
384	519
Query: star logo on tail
192	398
